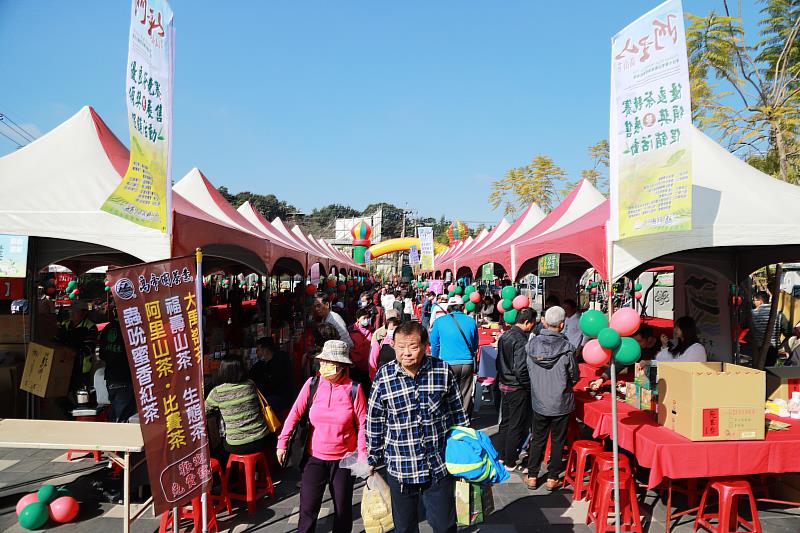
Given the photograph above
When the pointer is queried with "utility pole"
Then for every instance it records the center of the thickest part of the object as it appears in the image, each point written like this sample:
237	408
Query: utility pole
402	235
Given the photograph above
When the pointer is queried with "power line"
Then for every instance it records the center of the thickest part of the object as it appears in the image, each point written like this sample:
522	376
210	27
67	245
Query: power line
10	139
25	134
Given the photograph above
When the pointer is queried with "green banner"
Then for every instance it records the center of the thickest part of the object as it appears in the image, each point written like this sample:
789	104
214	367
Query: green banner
548	265
487	272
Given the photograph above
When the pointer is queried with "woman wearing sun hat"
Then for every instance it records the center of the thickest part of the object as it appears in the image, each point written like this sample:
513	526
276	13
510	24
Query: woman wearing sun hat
337	415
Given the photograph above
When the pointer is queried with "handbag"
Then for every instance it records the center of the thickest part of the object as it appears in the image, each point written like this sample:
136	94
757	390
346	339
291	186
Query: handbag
298	441
273	422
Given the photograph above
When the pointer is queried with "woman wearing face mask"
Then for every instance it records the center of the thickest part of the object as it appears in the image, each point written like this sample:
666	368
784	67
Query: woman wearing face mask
362	338
337	415
383	352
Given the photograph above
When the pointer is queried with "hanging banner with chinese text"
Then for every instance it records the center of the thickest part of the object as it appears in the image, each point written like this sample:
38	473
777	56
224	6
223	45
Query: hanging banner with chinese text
158	305
487	272
143	196
413	256
549	265
425	235
651	119
13	256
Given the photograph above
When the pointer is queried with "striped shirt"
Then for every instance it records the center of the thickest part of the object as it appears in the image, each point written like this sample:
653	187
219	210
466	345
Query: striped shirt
408	418
241	412
760	323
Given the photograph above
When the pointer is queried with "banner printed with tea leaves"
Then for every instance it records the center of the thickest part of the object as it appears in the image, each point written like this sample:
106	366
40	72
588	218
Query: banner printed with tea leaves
651	118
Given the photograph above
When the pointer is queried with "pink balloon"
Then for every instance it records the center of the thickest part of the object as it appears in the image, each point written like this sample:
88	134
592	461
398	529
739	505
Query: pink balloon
500	307
474	297
451	288
63	509
594	354
626	321
638	295
520	302
26	500
593	290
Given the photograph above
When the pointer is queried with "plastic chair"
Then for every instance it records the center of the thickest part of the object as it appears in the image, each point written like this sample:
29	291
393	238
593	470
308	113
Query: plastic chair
727	516
102	416
253	490
220	501
577	463
602	505
604	462
192	511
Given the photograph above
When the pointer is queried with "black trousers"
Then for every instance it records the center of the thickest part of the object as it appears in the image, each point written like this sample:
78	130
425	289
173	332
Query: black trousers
556	427
515	408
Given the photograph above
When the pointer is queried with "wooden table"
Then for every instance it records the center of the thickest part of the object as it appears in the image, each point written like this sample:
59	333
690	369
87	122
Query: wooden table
72	435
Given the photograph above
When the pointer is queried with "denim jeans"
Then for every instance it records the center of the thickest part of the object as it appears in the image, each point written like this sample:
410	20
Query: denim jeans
438	499
123	403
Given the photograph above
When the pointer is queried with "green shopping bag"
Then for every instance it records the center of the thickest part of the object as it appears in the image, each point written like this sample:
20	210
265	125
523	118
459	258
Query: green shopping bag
474	502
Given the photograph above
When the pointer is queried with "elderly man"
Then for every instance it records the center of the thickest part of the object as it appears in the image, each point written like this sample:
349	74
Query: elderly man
321	311
454	340
414	401
553	372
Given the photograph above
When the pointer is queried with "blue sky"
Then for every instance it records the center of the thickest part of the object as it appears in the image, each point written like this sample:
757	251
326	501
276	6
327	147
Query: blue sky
423	102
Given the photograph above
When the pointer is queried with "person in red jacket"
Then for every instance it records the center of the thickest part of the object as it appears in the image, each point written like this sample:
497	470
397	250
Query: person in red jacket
362	338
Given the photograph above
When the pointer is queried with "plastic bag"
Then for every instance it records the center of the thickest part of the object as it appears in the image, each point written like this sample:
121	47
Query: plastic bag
360	469
376	506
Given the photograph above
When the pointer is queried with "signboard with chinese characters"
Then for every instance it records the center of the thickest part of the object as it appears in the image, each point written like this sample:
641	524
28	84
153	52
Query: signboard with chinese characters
651	120
413	256
425	235
487	272
549	266
158	305
13	256
143	196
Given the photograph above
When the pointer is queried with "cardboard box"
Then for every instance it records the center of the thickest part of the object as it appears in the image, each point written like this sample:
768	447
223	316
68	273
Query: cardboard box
782	381
13	328
474	502
48	369
712	401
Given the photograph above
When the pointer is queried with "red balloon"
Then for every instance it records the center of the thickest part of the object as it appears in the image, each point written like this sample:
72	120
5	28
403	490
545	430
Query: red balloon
330	283
593	290
474	297
594	354
26	500
63	509
76	291
311	289
500	307
521	302
638	295
451	288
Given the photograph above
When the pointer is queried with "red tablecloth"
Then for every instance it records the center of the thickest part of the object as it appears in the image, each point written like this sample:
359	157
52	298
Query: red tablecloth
485	336
668	454
661	326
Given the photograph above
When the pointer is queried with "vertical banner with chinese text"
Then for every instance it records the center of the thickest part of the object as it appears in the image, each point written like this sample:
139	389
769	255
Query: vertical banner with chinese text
143	196
158	305
651	119
426	247
549	266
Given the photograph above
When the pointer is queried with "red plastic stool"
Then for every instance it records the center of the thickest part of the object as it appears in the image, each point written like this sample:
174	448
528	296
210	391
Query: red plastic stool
573	432
577	464
602	505
220	501
99	417
192	511
728	520
604	462
253	489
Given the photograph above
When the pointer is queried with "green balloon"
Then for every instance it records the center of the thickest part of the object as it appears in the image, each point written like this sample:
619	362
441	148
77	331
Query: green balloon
594	284
507	304
459	290
34	515
508	292
510	316
592	322
609	338
72	296
451	293
628	352
47	493
107	288
469	289
469	306
638	286
71	284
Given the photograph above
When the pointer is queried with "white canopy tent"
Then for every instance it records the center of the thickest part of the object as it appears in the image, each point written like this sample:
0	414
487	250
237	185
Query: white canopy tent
54	188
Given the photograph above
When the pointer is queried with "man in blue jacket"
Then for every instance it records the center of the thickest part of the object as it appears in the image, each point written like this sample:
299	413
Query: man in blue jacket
454	340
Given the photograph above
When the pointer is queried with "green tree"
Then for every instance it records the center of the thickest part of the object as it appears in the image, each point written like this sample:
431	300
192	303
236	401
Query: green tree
535	183
321	222
392	221
757	111
268	205
599	154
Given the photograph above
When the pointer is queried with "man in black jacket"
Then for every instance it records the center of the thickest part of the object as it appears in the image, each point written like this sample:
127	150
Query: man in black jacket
515	387
118	372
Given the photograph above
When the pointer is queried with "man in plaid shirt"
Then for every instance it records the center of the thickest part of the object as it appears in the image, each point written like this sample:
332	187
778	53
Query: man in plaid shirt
414	401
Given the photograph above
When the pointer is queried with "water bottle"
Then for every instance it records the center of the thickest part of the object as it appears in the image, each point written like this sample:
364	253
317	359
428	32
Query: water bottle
794	405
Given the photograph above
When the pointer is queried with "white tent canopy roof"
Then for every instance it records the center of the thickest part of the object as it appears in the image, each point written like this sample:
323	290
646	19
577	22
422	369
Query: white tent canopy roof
54	187
733	205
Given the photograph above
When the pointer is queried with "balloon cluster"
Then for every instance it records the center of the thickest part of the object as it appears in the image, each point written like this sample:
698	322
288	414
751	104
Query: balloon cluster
636	290
73	290
592	287
473	296
511	302
226	283
457	231
107	285
34	509
611	339
50	287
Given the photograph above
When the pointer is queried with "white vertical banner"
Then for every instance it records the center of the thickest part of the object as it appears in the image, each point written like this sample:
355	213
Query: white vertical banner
651	119
144	195
426	247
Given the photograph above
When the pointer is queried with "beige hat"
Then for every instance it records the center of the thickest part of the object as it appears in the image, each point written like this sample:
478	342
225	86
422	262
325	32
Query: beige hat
392	313
335	352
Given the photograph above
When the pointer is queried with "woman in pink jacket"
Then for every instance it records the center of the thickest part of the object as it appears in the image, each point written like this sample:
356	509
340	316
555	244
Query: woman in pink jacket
337	416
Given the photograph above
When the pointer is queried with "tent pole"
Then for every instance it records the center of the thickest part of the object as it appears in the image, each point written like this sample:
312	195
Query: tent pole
614	441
